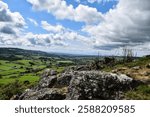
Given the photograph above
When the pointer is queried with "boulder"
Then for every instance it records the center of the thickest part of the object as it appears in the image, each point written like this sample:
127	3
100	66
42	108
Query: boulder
78	85
88	85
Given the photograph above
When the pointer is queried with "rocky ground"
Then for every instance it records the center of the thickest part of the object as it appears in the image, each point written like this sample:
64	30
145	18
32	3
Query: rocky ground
136	72
78	85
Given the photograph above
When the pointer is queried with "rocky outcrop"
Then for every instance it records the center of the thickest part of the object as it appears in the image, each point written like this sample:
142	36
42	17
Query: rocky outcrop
78	85
99	85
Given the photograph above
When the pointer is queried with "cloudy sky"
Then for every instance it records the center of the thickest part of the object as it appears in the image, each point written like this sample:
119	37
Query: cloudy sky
76	26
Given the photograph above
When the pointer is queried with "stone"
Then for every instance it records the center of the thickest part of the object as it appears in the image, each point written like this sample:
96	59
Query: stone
80	85
43	94
49	72
136	67
47	82
64	80
99	85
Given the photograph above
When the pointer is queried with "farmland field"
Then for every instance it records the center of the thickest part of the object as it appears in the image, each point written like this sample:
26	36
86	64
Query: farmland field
25	69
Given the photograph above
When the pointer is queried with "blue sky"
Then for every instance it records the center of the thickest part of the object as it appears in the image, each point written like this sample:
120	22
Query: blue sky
75	26
26	11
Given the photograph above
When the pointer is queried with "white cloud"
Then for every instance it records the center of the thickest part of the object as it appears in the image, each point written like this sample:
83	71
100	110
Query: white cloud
11	23
126	25
7	16
92	1
52	28
100	1
61	10
78	1
33	21
63	33
95	1
88	15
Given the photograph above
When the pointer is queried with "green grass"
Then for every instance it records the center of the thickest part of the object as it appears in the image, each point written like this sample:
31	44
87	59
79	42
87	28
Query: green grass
4	67
12	71
39	66
11	76
140	93
29	77
6	81
138	62
23	62
64	61
58	69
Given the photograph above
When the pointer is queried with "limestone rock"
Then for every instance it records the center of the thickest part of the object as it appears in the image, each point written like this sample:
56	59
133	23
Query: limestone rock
99	85
43	94
49	72
78	85
47	82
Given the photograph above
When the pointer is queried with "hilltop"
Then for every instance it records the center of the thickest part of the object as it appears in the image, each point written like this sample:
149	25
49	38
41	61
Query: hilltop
24	73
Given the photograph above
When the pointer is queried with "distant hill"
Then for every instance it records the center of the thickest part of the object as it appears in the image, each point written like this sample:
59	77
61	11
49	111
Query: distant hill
16	54
17	51
7	52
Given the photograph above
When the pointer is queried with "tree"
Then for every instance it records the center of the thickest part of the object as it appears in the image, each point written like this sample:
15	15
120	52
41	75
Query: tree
128	54
31	63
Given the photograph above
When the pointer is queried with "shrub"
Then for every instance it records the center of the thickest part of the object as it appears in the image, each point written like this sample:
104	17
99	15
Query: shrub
1	77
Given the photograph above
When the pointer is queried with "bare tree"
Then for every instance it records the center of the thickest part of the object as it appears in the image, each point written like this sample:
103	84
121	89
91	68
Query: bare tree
128	54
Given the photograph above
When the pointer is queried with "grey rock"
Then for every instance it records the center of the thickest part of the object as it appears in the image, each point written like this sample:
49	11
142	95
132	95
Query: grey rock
49	72
43	94
47	82
64	80
99	85
78	85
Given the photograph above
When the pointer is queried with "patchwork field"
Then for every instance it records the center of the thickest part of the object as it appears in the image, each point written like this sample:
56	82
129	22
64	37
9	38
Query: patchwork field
22	69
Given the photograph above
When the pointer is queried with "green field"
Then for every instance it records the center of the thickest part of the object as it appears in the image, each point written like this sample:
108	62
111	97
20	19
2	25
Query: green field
18	75
25	70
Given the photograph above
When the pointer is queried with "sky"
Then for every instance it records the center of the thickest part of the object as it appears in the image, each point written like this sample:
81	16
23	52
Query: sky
83	27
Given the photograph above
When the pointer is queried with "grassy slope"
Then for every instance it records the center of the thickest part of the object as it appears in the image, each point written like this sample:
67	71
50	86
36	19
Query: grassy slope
142	92
14	74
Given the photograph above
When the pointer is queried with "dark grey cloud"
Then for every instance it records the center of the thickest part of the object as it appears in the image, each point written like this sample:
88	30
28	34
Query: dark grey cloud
4	16
11	25
108	46
12	17
128	24
7	30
